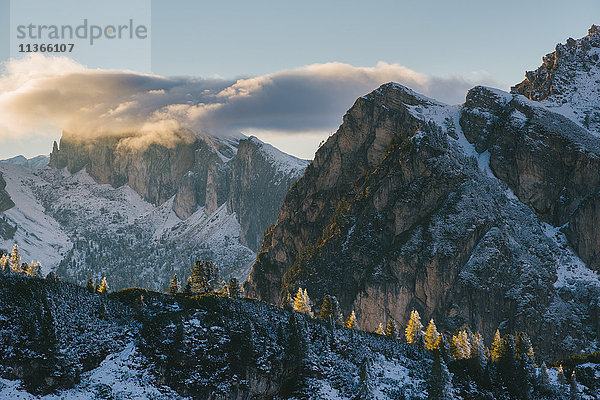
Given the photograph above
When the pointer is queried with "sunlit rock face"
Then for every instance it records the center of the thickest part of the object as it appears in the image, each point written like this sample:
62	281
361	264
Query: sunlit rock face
451	210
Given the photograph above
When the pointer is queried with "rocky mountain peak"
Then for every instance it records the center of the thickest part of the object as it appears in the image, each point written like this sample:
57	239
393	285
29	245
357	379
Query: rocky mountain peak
568	80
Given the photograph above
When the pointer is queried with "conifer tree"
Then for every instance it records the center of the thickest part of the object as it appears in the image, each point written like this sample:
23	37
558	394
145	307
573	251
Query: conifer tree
287	302
562	380
90	286
414	330
15	259
439	381
573	389
478	357
507	365
432	336
525	363
34	269
544	379
379	329
302	302
103	289
174	286
328	309
188	286
204	275
351	321
233	287
366	380
390	329
460	346
496	348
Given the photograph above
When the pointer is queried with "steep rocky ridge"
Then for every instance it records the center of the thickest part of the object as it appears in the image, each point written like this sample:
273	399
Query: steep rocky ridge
398	211
198	171
568	80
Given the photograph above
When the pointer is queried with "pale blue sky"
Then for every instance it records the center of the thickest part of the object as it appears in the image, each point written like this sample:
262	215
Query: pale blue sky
477	40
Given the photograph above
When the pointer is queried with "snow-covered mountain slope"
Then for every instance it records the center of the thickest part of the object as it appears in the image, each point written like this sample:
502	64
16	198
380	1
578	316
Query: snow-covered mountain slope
568	80
138	344
83	229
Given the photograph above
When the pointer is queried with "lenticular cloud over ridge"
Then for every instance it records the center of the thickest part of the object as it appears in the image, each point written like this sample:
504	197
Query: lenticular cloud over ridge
41	94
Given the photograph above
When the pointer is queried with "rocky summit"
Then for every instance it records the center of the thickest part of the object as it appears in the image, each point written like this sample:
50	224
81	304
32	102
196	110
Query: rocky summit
481	216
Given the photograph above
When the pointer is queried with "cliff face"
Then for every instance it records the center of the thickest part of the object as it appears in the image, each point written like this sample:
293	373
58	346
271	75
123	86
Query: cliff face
195	171
407	207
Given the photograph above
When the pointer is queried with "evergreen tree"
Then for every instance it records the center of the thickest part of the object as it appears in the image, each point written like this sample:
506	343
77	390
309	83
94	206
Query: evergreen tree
302	302
328	309
496	348
525	364
478	357
174	286
439	381
204	276
543	380
507	366
188	286
103	289
573	389
366	380
90	286
379	329
414	330
432	336
287	302
390	329
562	380
351	321
233	287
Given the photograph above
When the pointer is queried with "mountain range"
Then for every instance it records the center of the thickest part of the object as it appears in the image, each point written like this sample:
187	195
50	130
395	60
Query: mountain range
481	217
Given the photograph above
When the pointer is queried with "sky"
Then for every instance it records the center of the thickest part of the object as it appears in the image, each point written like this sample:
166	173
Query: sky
285	72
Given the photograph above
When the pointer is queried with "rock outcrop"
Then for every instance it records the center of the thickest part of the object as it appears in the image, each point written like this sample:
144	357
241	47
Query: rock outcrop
568	79
5	200
402	210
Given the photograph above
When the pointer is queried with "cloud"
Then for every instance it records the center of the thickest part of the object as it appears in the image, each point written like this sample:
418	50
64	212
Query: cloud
40	94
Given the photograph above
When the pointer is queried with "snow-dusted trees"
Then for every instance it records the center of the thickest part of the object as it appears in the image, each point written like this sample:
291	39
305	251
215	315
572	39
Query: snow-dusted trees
561	378
439	381
330	310
204	276
302	302
366	380
103	288
174	286
460	346
351	321
432	337
13	262
414	330
574	390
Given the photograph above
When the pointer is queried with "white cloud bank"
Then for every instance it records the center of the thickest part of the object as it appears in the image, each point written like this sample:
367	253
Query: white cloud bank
40	95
